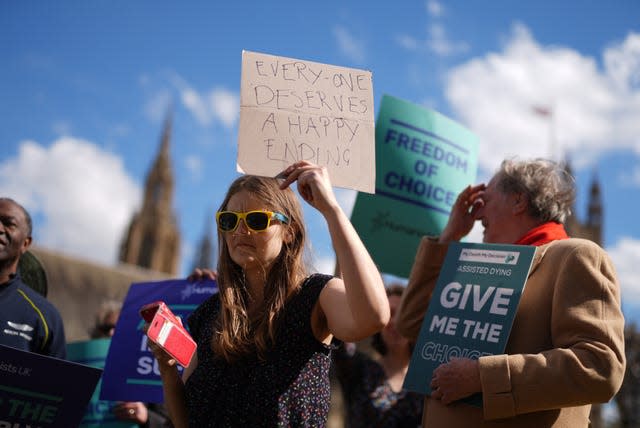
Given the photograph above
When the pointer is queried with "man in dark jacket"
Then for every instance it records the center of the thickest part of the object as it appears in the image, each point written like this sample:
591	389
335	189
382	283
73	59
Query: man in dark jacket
28	321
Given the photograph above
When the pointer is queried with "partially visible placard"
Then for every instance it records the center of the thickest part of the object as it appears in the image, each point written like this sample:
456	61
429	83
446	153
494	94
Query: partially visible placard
99	413
131	372
44	392
293	110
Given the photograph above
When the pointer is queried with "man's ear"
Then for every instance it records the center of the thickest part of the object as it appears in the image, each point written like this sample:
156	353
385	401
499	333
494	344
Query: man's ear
520	204
26	244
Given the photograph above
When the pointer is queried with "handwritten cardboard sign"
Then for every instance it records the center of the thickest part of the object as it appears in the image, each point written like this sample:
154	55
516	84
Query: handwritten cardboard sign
292	110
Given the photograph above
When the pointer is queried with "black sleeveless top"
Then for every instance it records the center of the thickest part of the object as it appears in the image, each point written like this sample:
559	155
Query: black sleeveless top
289	388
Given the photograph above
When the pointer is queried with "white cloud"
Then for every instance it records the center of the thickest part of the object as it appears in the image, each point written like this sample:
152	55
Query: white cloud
196	105
61	127
630	178
225	106
439	42
80	196
349	45
156	106
622	63
218	104
593	110
193	163
625	255
407	42
435	8
144	80
120	130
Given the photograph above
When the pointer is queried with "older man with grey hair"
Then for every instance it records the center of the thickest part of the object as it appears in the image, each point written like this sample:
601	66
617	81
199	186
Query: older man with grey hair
566	347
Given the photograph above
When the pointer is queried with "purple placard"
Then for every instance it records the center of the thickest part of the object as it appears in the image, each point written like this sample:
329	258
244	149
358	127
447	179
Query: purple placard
130	371
41	391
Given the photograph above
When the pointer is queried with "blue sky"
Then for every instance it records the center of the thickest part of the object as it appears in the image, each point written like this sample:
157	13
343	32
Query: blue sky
86	86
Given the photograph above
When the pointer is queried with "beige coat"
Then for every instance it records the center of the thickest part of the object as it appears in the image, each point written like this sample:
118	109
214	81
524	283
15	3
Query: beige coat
565	350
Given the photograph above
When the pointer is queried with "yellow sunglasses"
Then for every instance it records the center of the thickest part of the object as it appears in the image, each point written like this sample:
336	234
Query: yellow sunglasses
257	221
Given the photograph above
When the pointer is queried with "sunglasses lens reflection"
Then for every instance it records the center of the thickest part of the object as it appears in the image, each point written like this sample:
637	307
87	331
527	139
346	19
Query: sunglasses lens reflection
227	221
257	221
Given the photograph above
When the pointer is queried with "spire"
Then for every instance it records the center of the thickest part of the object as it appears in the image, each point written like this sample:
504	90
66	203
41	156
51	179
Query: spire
166	134
591	227
153	240
594	214
159	183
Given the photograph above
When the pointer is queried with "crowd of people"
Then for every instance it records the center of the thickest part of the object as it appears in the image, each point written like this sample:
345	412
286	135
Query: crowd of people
267	339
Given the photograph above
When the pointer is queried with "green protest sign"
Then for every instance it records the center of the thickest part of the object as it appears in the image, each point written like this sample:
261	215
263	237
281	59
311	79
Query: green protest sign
423	160
99	413
472	307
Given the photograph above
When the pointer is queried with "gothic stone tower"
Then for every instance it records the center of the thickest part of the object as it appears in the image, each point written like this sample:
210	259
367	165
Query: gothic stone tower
591	228
153	240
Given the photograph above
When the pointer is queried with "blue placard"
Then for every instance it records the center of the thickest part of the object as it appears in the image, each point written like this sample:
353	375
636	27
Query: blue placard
131	372
472	308
35	390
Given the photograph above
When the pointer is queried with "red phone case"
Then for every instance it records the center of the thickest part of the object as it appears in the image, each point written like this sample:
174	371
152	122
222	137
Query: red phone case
166	330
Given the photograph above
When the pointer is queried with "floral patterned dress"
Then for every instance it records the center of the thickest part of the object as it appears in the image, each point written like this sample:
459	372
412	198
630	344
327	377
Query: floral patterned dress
289	388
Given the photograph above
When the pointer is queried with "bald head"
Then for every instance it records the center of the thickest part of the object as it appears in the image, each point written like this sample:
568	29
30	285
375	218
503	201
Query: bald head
25	213
15	236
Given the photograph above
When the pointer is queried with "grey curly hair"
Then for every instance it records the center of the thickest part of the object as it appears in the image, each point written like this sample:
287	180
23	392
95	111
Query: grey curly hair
548	186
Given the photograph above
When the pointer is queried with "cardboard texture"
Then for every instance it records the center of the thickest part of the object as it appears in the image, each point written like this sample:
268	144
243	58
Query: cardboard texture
293	110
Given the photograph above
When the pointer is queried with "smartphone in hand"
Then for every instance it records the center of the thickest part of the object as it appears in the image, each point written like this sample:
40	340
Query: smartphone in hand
167	331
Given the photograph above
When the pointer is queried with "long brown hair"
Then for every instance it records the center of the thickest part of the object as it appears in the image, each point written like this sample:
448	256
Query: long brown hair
236	333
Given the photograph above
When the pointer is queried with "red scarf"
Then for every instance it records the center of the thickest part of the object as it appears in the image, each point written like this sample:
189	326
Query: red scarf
543	234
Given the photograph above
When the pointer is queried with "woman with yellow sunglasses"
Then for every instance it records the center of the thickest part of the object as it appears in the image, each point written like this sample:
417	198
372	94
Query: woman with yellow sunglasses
264	340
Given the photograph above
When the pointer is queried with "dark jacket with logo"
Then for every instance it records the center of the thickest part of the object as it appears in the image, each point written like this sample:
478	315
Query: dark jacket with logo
30	322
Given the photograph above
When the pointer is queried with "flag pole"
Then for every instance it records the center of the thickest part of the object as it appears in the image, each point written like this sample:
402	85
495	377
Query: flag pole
552	136
547	113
